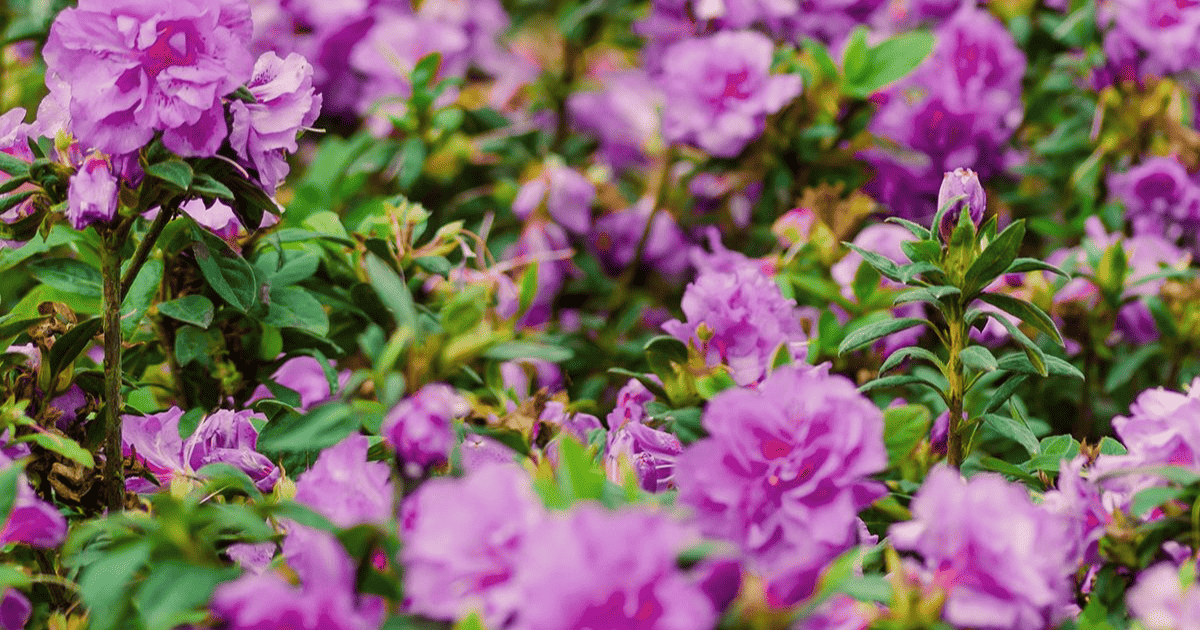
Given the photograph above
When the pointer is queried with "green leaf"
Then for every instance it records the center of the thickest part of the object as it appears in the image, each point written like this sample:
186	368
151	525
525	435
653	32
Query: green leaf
865	284
72	343
978	358
229	275
1150	498
1005	468
62	445
1037	358
206	185
996	258
177	173
889	61
1026	312
894	359
300	513
933	295
412	160
190	309
904	426
1003	393
104	584
867	588
921	251
1055	366
919	231
866	335
910	271
898	381
176	593
66	274
1122	371
320	428
529	288
1023	265
710	385
295	307
13	165
511	350
393	292
10	479
881	263
141	293
1109	446
194	344
854	59
1014	431
219	476
11	325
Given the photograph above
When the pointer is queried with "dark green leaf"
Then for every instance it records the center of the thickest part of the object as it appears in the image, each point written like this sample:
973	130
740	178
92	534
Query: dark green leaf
72	343
1055	366
889	61
1150	498
295	307
177	173
898	381
1005	468
996	258
1014	431
12	325
881	263
1003	393
62	445
104	584
434	264
10	478
300	513
910	271
220	476
1026	312
1022	265
229	275
1037	358
895	358
176	593
866	335
412	160
66	274
933	295
244	95
917	230
320	428
13	165
512	350
921	251
978	358
904	427
206	185
194	344
865	284
393	292
1123	370
192	309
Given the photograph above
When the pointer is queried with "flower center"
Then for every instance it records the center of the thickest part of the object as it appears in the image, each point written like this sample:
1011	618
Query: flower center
176	46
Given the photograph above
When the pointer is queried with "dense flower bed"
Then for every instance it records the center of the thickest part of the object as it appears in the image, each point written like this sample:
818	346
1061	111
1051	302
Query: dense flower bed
653	314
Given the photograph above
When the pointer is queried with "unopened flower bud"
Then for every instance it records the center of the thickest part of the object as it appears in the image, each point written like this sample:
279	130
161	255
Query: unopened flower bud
961	182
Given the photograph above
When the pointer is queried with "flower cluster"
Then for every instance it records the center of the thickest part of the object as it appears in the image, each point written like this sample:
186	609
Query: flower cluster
784	472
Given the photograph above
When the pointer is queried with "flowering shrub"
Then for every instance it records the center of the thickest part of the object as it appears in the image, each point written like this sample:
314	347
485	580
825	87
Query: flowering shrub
653	314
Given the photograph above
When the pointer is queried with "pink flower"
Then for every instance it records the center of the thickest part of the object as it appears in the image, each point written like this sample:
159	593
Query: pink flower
347	488
287	104
92	196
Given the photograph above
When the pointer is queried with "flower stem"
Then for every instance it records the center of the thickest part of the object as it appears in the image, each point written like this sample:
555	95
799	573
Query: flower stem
957	335
114	471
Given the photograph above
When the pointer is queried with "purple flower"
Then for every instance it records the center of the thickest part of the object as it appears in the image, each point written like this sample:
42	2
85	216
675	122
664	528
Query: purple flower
15	610
325	600
419	427
1160	601
1081	502
592	568
1003	562
227	437
567	194
305	376
623	115
649	452
32	521
262	132
719	91
749	318
155	440
784	472
615	237
462	542
136	67
1167	31
92	196
962	182
479	451
345	487
545	243
1160	199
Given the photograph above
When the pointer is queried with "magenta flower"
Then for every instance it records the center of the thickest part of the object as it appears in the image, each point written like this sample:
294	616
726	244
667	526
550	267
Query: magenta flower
615	236
623	115
305	376
592	568
345	487
1003	562
961	182
784	472
262	132
136	67
92	196
719	91
1161	200
567	195
155	440
479	451
1082	503
1160	601
324	600
32	521
15	610
227	437
649	452
1167	32
748	316
420	426
463	540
